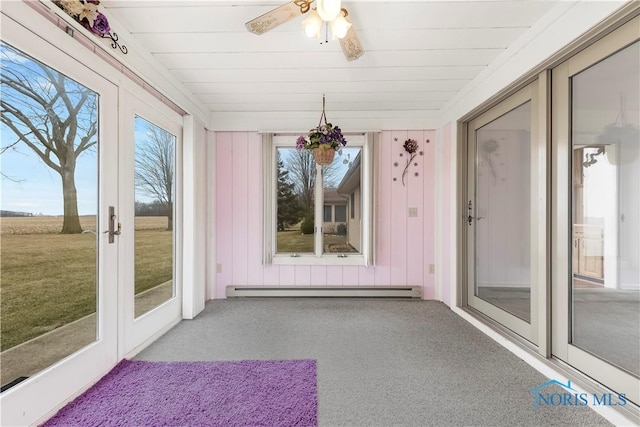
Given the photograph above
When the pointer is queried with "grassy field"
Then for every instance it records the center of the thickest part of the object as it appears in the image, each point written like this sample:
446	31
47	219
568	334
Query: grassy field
48	280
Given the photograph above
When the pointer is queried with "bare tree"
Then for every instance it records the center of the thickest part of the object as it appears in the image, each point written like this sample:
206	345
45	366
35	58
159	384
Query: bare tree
52	115
289	208
302	171
154	168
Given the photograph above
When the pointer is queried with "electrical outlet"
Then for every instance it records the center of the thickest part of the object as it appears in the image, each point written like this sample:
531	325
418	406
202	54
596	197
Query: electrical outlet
218	268
413	212
432	269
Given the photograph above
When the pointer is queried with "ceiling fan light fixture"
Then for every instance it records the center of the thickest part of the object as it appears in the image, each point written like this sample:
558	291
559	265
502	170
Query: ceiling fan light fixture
339	27
312	25
328	9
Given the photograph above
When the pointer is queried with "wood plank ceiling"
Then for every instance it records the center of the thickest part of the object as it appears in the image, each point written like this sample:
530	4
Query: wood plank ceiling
418	54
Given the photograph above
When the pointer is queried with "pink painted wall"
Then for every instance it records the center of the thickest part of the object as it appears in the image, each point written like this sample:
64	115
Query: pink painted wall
404	246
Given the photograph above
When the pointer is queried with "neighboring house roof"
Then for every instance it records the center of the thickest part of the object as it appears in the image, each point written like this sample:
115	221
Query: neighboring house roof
331	197
351	179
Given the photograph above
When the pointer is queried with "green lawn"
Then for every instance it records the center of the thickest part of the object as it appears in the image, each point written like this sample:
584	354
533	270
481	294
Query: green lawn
293	241
154	258
49	280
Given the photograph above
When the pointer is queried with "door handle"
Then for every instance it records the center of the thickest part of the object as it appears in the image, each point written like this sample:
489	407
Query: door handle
112	225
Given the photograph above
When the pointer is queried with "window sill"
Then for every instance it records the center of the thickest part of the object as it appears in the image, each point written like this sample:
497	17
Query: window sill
310	259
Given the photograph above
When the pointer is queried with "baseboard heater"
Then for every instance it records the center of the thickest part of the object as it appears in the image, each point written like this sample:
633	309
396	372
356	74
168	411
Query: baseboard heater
325	291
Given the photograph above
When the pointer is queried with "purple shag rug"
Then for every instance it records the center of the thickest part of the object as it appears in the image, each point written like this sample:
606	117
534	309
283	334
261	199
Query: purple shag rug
243	393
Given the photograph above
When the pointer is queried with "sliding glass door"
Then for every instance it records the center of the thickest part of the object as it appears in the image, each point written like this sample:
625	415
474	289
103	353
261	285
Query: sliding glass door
596	139
501	150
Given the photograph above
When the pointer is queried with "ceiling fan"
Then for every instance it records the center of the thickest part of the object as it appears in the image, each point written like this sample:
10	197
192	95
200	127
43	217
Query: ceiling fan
327	12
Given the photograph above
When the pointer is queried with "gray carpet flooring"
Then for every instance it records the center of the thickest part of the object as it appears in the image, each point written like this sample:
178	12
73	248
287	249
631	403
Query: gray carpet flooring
380	362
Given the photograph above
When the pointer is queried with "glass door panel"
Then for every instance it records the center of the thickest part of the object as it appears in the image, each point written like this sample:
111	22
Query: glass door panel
49	244
154	212
605	137
58	299
596	211
150	156
503	255
500	228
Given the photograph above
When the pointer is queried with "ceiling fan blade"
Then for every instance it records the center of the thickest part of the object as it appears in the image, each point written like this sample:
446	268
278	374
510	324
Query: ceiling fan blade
351	46
278	16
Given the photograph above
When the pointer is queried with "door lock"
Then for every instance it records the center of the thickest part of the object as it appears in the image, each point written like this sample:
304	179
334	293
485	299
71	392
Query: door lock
112	223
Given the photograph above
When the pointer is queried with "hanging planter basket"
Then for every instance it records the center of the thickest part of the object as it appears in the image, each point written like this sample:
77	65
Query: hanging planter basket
324	156
323	141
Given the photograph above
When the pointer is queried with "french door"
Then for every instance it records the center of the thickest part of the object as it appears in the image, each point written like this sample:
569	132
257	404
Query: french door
90	190
500	226
59	247
596	232
150	154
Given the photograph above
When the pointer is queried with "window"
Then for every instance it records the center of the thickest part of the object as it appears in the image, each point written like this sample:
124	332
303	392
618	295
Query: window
353	205
327	213
306	221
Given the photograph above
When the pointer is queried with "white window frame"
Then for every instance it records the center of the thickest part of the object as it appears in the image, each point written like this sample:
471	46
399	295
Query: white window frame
271	143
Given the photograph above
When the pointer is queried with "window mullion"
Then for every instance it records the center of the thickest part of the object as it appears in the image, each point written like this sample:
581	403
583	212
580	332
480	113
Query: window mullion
319	211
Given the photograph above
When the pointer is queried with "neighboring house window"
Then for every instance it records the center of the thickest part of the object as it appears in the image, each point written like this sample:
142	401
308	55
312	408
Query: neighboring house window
327	213
306	206
353	205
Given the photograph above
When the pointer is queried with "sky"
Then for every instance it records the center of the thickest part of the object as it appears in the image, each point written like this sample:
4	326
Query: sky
28	185
342	161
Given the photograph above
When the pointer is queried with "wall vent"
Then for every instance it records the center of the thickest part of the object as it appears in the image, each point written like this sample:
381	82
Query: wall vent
325	291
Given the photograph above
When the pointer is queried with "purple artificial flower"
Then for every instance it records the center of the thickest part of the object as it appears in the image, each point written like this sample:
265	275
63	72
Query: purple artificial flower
100	25
300	142
410	146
